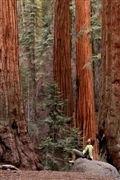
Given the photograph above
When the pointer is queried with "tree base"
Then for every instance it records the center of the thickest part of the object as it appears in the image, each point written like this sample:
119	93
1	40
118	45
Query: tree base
18	150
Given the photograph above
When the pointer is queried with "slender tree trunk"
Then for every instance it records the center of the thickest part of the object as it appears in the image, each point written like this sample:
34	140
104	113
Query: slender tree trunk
109	114
85	110
31	58
20	12
27	27
62	56
15	145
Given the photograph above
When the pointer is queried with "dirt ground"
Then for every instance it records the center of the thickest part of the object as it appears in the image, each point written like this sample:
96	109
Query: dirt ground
47	175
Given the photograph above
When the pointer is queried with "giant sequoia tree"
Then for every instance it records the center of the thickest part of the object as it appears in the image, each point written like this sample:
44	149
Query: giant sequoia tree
62	57
109	114
15	145
85	110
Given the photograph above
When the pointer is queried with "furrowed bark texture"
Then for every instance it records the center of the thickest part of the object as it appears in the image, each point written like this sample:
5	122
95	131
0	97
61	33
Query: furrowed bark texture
15	145
109	114
85	110
62	56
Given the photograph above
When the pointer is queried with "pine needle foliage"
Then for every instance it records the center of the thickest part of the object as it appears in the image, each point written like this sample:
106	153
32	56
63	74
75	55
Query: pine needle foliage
61	139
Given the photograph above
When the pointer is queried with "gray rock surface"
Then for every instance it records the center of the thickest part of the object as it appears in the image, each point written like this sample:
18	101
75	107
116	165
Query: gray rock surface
95	167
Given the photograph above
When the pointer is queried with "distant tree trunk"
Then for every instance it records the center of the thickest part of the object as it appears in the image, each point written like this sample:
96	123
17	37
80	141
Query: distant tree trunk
62	56
30	30
27	26
85	110
20	12
96	49
109	114
31	58
15	145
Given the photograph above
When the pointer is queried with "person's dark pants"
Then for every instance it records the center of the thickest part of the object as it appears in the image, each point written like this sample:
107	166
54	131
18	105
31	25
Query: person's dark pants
78	153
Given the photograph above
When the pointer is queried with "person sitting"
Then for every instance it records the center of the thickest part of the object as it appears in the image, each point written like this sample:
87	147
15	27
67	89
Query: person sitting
87	152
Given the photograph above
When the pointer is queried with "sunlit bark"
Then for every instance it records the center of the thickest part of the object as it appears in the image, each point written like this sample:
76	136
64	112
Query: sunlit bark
15	145
85	110
62	56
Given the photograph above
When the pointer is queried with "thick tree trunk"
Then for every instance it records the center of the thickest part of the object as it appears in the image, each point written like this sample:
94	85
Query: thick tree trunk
109	114
85	110
15	145
62	56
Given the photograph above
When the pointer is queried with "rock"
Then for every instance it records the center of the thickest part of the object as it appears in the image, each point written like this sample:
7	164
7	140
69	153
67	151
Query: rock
8	167
95	167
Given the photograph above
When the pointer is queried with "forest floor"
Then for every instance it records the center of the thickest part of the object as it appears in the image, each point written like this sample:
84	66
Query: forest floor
48	175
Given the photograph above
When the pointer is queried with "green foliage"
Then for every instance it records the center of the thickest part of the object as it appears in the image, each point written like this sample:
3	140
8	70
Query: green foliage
28	45
45	43
61	139
35	39
47	21
95	30
96	57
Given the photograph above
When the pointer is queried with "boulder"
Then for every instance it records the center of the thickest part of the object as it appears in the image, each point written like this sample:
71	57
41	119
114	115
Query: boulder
95	167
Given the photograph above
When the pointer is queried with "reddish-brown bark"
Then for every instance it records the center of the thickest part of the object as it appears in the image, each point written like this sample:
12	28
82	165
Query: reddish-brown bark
62	56
109	113
85	110
15	145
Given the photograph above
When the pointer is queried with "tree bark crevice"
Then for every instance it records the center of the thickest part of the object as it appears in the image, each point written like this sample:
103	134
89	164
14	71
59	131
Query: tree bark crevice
109	112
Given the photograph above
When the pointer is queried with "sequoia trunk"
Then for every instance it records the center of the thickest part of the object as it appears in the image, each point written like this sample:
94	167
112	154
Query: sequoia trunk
15	145
85	110
62	56
109	114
